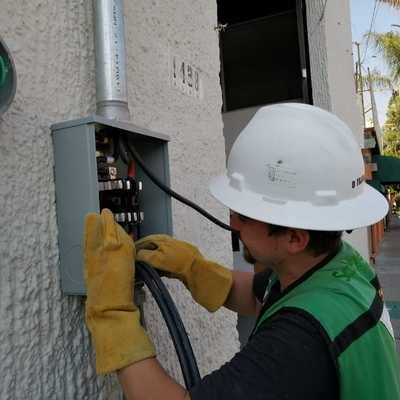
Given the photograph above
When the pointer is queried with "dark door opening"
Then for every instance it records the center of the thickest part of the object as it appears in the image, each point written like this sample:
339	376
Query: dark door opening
264	54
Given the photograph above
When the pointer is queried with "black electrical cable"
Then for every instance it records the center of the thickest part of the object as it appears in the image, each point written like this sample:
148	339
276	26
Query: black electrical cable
174	323
122	152
125	145
154	283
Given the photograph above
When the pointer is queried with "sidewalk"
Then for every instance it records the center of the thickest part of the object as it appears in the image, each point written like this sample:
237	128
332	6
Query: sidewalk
388	269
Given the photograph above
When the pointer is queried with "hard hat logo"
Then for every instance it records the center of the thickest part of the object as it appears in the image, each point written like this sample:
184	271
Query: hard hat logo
357	182
277	174
272	170
310	189
272	173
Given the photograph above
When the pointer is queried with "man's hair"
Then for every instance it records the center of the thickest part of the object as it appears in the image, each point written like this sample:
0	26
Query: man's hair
321	242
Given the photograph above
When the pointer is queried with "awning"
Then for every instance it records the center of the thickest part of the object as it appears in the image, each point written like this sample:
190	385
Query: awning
388	169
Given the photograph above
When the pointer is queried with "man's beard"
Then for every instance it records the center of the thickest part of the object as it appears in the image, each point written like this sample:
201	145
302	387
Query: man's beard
247	256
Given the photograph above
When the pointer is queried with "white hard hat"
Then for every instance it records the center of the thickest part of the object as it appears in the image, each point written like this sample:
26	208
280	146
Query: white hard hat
299	166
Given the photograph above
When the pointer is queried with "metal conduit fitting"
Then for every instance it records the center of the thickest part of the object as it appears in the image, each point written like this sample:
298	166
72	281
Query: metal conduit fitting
111	81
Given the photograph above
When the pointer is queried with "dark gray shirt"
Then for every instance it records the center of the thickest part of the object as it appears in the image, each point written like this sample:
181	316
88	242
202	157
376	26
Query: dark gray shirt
287	359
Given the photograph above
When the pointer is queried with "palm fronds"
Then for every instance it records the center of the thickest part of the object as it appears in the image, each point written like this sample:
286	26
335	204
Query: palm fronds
393	3
388	44
378	81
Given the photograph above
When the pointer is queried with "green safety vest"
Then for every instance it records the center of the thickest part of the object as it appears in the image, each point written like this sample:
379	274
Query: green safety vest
343	298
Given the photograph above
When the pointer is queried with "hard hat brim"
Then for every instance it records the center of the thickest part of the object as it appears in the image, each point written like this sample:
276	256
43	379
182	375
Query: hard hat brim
367	208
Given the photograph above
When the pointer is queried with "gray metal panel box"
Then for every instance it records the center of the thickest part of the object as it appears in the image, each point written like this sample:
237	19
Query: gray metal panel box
77	189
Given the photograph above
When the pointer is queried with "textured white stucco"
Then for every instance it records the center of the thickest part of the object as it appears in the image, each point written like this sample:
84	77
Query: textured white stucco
316	11
330	42
45	351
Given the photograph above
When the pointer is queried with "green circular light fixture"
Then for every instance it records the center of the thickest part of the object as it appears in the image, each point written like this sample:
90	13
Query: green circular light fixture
8	78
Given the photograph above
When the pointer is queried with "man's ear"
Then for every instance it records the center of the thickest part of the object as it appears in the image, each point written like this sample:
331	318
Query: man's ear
297	240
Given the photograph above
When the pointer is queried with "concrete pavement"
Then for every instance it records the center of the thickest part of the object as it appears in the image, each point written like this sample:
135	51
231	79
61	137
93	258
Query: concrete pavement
388	269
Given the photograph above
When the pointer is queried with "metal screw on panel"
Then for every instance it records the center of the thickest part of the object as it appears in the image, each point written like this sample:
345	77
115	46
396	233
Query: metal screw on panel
112	171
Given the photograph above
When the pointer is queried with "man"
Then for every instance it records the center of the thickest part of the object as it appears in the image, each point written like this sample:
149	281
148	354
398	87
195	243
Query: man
294	183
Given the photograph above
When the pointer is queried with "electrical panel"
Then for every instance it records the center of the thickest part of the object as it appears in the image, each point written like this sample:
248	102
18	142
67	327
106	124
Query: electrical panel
93	171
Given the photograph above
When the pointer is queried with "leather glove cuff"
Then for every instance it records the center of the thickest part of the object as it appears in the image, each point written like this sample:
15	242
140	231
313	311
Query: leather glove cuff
209	284
118	337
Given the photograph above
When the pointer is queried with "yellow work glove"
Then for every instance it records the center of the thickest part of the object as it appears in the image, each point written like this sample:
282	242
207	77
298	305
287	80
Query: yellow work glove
111	316
208	282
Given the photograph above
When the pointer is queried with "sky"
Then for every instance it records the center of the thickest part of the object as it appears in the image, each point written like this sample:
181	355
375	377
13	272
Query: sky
361	13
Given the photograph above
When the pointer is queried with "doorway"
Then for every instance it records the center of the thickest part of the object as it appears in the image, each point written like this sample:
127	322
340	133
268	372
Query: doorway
264	60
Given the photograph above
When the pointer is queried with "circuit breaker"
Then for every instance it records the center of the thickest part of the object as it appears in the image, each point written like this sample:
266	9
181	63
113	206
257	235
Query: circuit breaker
92	173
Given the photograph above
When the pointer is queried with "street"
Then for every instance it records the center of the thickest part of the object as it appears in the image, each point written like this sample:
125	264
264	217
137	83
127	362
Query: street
388	269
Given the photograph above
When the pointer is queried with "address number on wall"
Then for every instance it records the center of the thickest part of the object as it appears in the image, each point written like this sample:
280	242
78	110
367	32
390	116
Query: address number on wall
185	77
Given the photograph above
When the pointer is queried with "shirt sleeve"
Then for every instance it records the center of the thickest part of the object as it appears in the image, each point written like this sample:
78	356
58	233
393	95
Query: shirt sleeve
286	359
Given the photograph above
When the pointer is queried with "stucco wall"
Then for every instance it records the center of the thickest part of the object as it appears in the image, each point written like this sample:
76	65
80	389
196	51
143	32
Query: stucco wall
329	33
44	346
318	53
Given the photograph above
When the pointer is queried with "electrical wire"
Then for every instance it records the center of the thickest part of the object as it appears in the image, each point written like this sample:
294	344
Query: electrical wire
122	152
373	18
183	348
152	280
125	145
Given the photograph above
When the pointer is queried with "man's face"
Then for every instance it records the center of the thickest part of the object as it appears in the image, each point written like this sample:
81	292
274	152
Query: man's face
247	255
258	245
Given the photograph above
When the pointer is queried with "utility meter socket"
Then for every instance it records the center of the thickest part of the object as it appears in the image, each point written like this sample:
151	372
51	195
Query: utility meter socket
8	78
94	170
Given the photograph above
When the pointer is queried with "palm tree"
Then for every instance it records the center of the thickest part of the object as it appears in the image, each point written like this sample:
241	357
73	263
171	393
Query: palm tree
393	3
380	82
388	44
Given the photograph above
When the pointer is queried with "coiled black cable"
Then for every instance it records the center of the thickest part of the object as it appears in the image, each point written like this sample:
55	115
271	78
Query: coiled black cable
152	280
174	323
